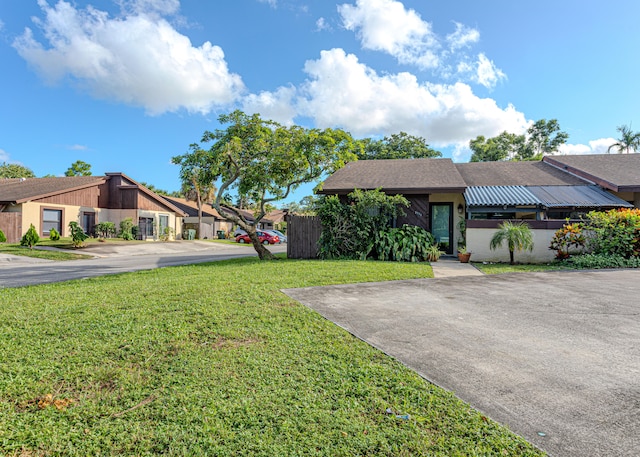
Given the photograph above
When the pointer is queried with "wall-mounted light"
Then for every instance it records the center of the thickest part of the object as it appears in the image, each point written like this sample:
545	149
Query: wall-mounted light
460	208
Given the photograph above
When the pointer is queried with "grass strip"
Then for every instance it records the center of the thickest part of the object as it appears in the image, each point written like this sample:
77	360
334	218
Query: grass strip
213	359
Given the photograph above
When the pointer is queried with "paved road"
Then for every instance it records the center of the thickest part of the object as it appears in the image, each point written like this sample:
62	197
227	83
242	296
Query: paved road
16	271
555	356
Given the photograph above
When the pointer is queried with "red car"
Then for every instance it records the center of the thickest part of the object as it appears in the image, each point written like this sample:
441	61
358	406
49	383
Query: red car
264	237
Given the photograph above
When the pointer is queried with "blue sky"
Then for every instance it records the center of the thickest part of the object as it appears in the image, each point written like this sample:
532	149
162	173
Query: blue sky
126	84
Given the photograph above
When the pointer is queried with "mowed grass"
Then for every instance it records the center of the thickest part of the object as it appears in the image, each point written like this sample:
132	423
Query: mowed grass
16	249
214	360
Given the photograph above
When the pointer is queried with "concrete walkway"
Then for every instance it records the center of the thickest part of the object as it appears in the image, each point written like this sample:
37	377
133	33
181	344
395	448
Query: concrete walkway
449	267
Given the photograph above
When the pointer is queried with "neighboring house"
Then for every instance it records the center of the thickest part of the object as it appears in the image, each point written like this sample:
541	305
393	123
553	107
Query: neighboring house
265	224
51	203
463	203
212	222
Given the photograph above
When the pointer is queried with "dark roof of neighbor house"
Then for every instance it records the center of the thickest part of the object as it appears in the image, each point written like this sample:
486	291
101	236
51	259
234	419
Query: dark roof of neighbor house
542	196
20	190
407	176
191	208
616	172
515	174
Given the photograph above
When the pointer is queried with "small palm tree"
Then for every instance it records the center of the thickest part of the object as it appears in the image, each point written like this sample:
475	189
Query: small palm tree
517	235
629	142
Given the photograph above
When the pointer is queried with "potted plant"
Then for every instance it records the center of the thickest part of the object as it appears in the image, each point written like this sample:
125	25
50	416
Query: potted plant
463	254
433	253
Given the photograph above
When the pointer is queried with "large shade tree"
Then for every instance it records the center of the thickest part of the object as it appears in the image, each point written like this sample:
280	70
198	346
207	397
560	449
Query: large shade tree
14	170
265	162
397	146
629	141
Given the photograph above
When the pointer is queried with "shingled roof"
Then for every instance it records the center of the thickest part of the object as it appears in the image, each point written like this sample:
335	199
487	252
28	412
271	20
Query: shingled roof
191	207
516	174
20	190
616	172
406	176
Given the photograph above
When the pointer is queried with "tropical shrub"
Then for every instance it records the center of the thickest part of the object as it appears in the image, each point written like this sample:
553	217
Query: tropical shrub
571	235
77	234
517	235
597	261
126	229
614	232
166	234
106	229
30	238
54	235
350	229
407	243
3	237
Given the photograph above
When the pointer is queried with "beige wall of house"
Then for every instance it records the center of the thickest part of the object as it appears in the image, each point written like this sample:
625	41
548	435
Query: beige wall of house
456	199
478	240
32	214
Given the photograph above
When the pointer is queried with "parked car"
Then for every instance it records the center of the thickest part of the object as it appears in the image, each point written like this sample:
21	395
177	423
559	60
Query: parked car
264	237
239	232
279	234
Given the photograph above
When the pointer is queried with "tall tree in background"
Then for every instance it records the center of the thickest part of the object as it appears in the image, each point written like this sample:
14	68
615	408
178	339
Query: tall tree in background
630	141
13	170
502	147
265	161
78	168
197	179
397	146
542	138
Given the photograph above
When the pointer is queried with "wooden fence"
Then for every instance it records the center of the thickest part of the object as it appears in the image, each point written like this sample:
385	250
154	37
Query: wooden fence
303	233
11	226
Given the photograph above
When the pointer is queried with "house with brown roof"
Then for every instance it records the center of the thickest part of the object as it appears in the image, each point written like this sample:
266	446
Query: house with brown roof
463	203
52	203
212	222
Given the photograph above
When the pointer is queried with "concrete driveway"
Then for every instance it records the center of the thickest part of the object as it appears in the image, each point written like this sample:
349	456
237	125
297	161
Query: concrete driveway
17	271
554	356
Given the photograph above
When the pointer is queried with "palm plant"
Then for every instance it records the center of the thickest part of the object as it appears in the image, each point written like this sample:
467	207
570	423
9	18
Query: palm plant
629	142
517	235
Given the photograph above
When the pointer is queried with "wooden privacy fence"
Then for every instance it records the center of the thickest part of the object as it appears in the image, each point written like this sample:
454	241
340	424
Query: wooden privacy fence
303	233
10	224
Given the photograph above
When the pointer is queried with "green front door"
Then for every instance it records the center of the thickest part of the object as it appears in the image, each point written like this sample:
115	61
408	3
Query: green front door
442	225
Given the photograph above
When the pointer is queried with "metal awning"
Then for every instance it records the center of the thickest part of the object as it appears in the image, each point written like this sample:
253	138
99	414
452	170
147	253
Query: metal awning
542	197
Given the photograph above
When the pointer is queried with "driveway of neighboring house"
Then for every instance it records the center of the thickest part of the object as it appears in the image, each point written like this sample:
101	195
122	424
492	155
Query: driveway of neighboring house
16	271
554	356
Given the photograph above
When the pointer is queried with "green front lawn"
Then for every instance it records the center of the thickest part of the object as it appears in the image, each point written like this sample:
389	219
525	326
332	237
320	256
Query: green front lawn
16	249
214	360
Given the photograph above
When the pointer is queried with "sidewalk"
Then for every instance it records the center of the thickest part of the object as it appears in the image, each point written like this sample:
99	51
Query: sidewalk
448	267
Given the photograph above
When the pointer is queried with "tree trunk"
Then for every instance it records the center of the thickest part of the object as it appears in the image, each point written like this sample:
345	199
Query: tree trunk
263	252
511	257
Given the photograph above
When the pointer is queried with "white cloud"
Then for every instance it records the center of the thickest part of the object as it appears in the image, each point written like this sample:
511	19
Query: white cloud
277	106
163	7
462	37
321	24
343	92
599	146
487	73
385	25
78	147
271	3
139	59
4	156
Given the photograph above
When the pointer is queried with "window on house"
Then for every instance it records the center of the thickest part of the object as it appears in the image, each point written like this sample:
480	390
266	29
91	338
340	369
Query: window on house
164	223
145	225
51	219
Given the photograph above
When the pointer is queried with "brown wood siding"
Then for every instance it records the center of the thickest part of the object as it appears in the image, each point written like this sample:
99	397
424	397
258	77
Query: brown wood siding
417	213
11	226
147	203
303	233
82	197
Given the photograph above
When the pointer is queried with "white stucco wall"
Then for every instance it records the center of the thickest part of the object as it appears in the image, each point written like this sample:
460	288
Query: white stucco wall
478	240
